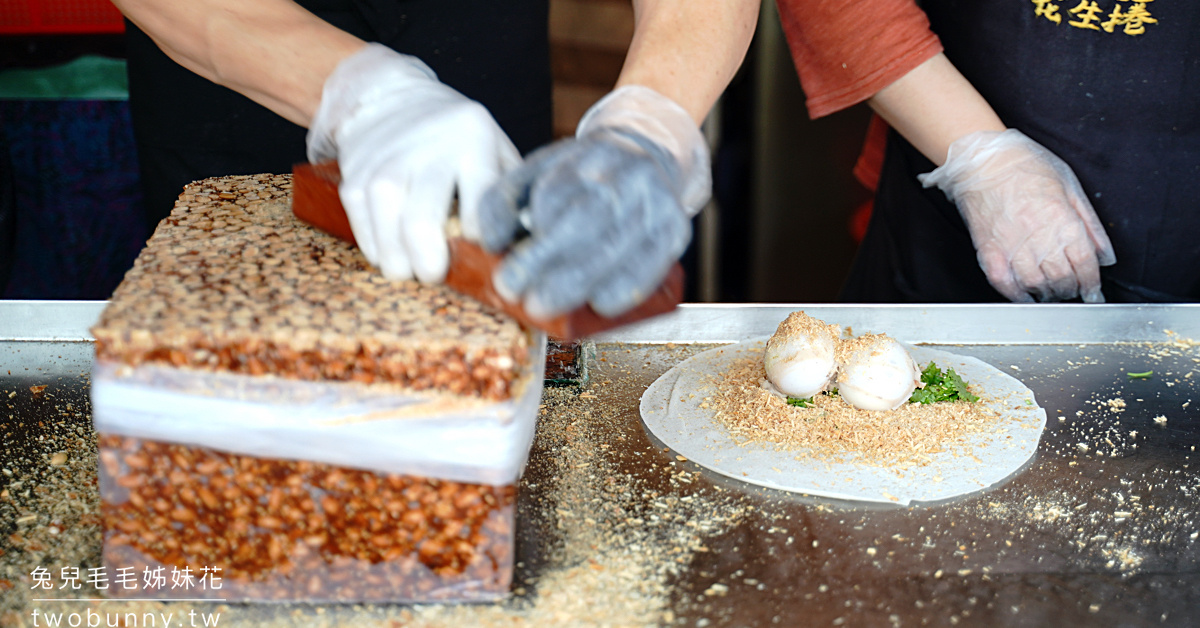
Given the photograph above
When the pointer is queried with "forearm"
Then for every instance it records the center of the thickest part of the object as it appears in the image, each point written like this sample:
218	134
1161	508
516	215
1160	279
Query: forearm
689	50
932	106
272	51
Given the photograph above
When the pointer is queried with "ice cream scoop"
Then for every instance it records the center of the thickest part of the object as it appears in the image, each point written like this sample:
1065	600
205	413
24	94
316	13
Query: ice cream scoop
800	358
877	374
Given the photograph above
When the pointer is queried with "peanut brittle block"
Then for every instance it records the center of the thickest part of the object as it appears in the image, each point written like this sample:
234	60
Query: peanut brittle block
232	285
231	281
248	528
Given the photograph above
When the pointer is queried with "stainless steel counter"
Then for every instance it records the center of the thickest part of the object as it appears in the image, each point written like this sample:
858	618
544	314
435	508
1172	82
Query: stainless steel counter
1100	528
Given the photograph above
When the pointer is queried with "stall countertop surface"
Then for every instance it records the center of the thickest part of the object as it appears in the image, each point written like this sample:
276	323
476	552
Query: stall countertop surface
1100	528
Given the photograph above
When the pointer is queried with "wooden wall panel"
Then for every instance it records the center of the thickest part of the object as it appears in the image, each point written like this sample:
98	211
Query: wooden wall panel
588	41
603	24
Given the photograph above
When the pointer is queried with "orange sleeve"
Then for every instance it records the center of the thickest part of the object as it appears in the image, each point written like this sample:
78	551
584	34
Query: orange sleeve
847	51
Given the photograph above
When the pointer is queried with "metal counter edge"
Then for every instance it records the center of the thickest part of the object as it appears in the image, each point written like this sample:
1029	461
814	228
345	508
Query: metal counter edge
940	324
57	321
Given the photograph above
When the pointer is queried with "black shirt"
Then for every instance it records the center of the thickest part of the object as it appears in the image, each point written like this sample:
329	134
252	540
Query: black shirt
1113	88
187	128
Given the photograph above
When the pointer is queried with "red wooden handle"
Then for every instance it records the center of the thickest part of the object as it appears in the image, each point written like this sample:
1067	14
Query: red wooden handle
315	200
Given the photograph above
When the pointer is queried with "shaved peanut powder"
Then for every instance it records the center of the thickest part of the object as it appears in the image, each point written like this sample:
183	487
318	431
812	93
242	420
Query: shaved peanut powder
801	325
833	429
846	347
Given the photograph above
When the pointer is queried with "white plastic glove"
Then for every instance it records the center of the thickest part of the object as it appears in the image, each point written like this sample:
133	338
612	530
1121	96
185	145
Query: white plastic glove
1035	233
405	142
607	212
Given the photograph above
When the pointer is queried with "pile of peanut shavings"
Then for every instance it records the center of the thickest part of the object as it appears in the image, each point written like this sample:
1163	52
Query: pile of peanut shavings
833	430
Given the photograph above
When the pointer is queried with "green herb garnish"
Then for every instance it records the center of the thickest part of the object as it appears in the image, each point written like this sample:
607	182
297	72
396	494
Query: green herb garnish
941	386
1145	375
810	402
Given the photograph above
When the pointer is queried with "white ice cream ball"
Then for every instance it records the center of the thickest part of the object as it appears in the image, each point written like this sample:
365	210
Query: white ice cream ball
878	373
800	359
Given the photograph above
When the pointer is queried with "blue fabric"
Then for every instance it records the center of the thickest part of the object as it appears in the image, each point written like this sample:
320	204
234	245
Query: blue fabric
76	202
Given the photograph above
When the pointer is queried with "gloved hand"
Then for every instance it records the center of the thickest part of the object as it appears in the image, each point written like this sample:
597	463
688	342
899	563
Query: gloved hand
1035	233
405	142
607	212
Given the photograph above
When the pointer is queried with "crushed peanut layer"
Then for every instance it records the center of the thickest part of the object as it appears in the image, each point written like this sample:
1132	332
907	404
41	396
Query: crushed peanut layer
287	530
232	281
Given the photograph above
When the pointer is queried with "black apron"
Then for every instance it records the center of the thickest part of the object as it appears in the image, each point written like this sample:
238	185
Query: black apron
8	218
1115	95
187	128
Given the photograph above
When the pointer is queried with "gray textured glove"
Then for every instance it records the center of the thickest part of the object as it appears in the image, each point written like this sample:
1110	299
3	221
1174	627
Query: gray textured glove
607	212
1035	233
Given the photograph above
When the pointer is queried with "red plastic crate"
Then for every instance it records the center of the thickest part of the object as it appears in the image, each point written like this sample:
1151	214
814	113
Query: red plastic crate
59	17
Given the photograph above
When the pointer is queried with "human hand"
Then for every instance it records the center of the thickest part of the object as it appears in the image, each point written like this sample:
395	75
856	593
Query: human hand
1035	233
405	142
607	212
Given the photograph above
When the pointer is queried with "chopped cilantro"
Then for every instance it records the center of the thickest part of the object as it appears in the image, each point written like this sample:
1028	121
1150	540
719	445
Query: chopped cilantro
941	386
808	403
